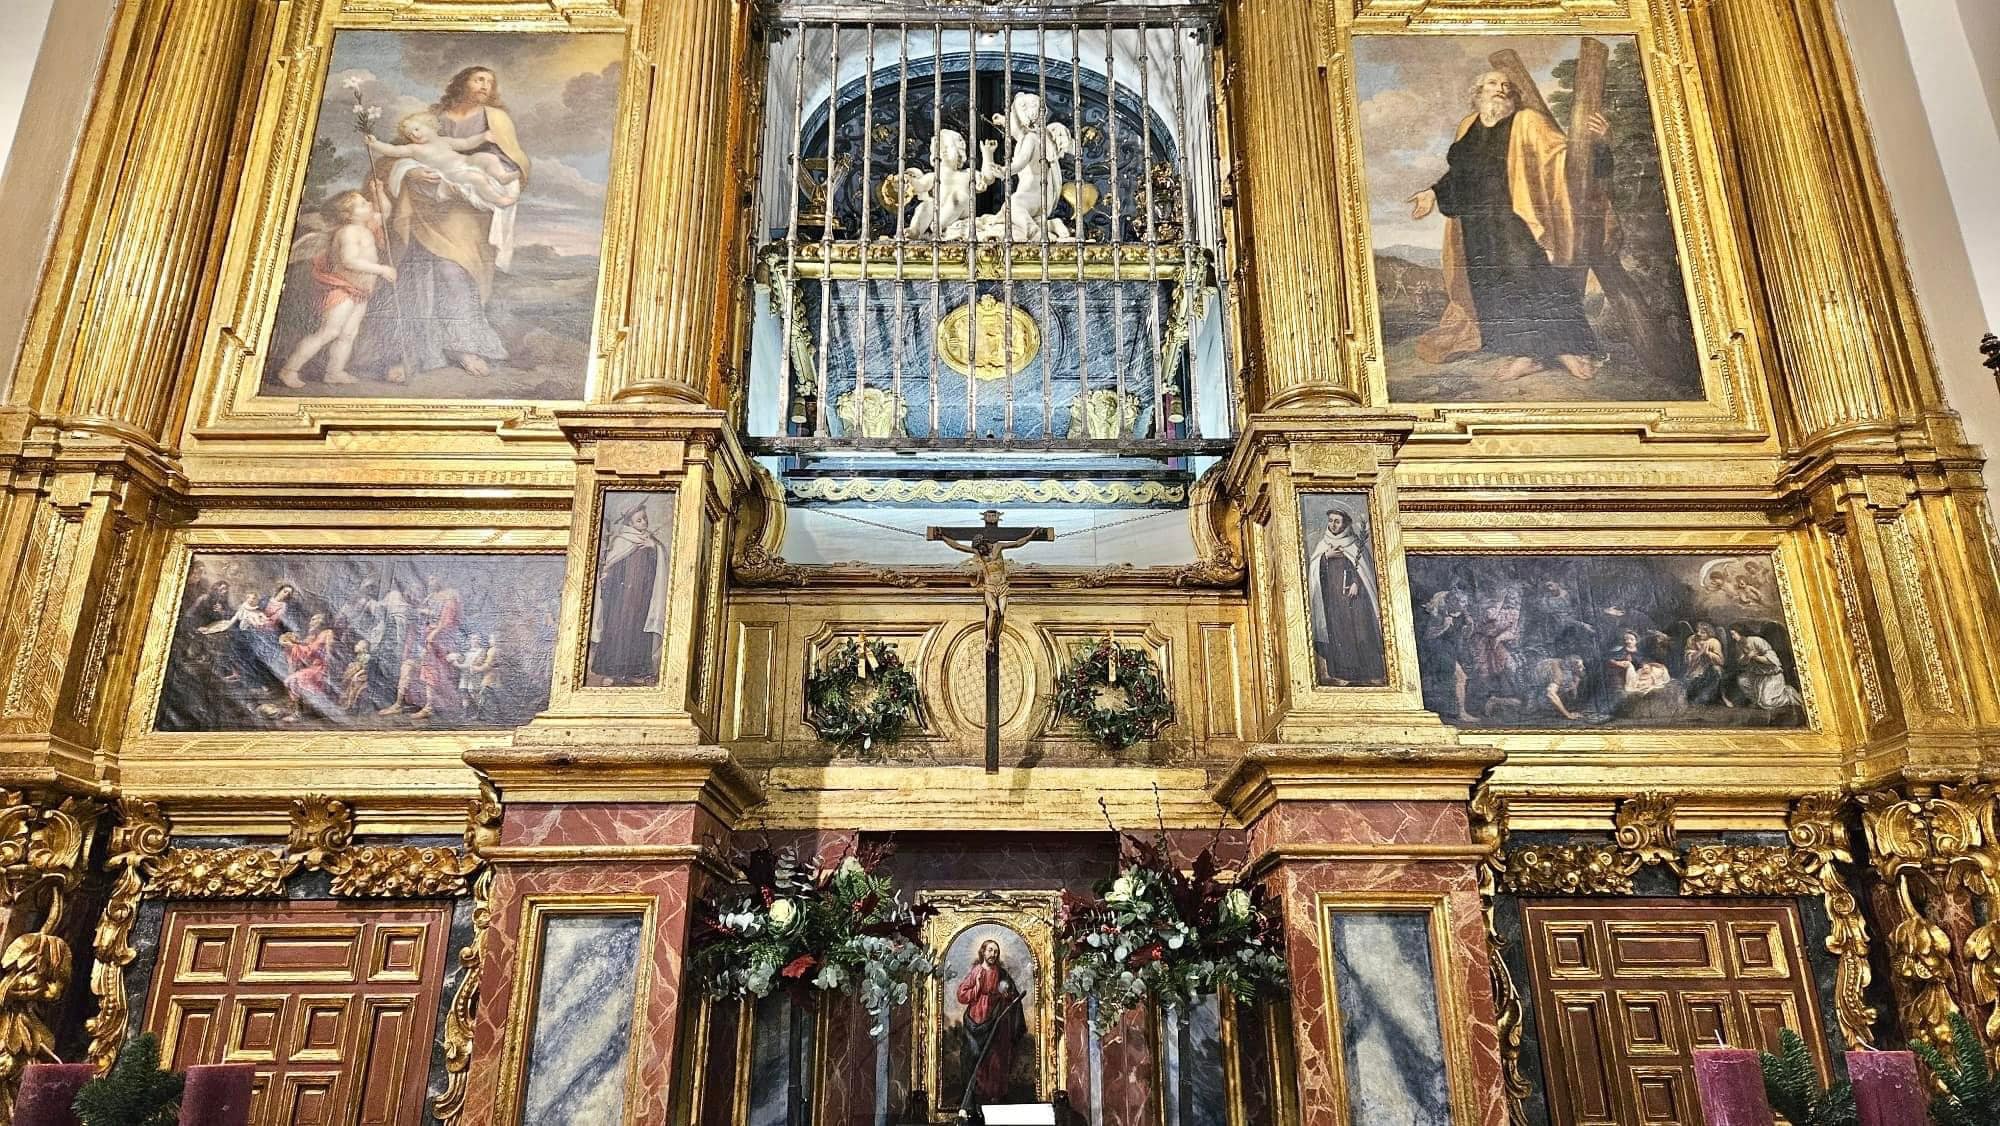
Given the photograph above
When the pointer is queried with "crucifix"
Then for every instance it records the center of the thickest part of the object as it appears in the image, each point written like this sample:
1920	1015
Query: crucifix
986	544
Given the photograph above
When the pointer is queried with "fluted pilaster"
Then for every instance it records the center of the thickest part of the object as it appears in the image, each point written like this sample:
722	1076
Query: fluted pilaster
683	272
115	320
1845	351
1284	173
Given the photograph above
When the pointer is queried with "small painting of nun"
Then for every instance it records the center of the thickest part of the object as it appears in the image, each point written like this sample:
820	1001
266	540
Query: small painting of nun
629	611
1342	591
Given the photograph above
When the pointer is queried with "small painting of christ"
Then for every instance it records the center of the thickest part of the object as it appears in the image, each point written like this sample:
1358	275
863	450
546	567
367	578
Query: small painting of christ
1343	590
992	991
628	609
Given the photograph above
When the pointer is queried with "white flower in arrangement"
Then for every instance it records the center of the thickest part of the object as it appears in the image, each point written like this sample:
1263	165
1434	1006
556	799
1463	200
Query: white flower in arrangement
1121	890
1236	905
784	913
850	867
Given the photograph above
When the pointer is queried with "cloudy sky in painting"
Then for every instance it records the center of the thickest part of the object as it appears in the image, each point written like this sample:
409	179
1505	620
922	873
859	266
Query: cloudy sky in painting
1413	92
562	91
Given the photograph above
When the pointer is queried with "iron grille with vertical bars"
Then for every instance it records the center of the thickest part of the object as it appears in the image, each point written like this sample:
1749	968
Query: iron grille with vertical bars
990	228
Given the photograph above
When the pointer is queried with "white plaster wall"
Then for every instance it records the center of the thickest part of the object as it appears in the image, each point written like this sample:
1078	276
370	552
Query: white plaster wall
1929	72
22	23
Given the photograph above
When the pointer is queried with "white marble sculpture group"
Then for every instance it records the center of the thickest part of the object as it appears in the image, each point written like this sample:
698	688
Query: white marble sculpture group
946	194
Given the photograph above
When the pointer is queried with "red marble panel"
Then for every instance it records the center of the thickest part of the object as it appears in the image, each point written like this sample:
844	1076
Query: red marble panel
1374	822
606	823
1129	1073
847	1070
1300	884
668	884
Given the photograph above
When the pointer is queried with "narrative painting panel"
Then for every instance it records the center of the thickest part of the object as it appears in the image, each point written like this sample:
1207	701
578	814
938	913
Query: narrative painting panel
1600	640
384	641
1524	250
447	239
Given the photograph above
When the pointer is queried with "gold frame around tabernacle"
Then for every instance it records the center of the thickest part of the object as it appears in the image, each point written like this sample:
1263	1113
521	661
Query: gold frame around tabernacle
1030	914
227	403
1734	403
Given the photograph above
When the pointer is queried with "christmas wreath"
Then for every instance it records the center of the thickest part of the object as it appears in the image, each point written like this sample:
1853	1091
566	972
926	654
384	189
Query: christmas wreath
1115	693
860	692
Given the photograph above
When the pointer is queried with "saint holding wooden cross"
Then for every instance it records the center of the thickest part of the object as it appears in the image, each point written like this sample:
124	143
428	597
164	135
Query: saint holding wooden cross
987	544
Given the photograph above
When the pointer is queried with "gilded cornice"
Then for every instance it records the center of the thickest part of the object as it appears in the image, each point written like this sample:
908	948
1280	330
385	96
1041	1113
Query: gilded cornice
1269	774
651	773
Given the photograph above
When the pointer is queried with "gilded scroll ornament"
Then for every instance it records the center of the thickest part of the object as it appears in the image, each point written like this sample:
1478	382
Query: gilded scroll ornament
1644	827
1570	869
1925	845
43	853
1489	829
482	831
136	844
1817	830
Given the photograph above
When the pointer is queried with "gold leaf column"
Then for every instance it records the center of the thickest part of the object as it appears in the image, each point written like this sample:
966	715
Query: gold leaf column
87	432
685	263
1284	169
1878	459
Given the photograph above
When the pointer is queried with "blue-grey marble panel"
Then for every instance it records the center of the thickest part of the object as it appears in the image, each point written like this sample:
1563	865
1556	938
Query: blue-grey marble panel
579	1056
1390	1033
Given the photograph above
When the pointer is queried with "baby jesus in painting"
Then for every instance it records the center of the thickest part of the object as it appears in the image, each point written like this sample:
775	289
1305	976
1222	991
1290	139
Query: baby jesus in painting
347	270
485	179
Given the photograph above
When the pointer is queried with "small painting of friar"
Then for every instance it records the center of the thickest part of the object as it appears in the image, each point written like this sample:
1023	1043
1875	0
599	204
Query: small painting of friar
1523	247
1343	595
628	613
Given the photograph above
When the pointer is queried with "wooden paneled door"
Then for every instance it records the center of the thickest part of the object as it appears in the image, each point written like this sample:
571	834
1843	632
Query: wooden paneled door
335	1003
1624	994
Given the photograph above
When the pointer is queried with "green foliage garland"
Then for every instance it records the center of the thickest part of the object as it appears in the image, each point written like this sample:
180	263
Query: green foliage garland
1971	1095
1791	1083
790	925
1147	707
1158	934
860	694
136	1092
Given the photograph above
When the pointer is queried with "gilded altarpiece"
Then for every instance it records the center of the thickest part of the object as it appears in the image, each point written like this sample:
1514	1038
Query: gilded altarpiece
1783	411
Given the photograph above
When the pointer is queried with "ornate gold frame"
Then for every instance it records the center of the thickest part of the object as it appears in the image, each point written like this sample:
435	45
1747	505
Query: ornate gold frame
1451	1001
1032	915
536	910
226	403
183	766
1719	295
1718	760
1389	583
594	521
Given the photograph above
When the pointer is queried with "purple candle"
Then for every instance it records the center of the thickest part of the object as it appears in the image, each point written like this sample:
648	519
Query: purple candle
1887	1091
1732	1087
217	1095
47	1090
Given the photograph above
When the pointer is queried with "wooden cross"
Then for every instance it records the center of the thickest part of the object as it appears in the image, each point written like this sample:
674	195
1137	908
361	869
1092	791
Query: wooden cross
987	544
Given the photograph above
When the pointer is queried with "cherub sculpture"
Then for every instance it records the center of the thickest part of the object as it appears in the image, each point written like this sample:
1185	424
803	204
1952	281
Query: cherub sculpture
946	194
1034	169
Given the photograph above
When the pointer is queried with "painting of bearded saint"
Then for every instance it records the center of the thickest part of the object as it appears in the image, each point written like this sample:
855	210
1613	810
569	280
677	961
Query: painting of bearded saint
446	242
628	615
992	986
1342	593
1523	247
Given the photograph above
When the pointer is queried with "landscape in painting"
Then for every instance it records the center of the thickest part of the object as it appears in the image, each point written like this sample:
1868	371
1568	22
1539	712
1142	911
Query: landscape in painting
992	996
1542	641
1343	592
1523	247
447	238
316	641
